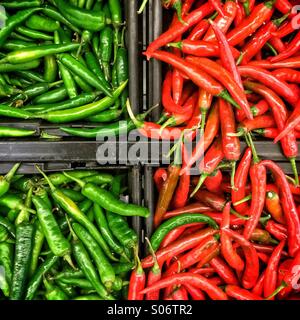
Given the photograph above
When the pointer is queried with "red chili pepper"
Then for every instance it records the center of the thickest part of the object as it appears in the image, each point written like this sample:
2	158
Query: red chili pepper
160	176
179	28
206	272
198	31
291	49
284	6
192	229
260	108
291	278
240	14
213	200
259	15
209	254
229	254
258	179
182	191
291	123
202	48
240	293
209	163
270	281
216	71
273	205
293	62
234	221
137	282
287	74
283	268
267	249
239	192
279	110
258	289
196	280
288	205
180	294
218	7
178	247
267	78
168	188
204	104
251	272
188	90
277	43
223	23
230	144
197	207
260	122
195	293
193	256
224	271
211	130
227	58
259	39
172	236
213	181
198	76
262	236
277	230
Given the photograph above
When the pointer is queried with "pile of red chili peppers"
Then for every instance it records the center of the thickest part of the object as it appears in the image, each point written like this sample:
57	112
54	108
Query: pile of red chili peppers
232	232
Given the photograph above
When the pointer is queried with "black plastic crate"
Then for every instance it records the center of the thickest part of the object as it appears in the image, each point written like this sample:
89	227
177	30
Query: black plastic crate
133	42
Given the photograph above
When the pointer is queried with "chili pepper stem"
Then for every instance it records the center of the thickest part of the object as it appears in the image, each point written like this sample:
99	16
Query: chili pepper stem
12	172
295	171
227	97
233	169
272	49
155	267
246	7
69	260
136	122
51	185
249	197
251	145
79	181
178	8
238	215
277	290
199	184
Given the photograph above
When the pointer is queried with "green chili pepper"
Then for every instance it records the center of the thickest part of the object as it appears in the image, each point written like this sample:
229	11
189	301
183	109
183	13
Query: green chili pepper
6	180
4	234
122	72
55	15
82	112
106	116
89	4
38	241
94	65
99	178
104	229
23	184
53	292
12	45
84	19
79	69
30	75
59	178
37	278
6	261
58	244
123	267
43	194
110	130
118	284
85	205
75	196
13	21
37	22
31	53
13	202
85	87
77	282
85	264
23	250
95	45
69	274
116	12
78	101
32	34
21	4
108	201
71	208
90	215
55	95
67	289
174	222
23	216
8	67
50	68
11	112
106	46
104	267
68	81
8	225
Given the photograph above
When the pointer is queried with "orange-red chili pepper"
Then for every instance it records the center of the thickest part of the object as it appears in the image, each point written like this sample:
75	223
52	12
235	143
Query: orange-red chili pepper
287	74
137	282
213	181
258	289
197	207
224	271
277	230
215	201
160	176
273	205
195	293
198	31
240	293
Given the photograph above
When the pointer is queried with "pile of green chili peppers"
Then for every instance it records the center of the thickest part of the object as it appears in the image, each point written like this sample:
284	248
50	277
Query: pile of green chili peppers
65	236
64	61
